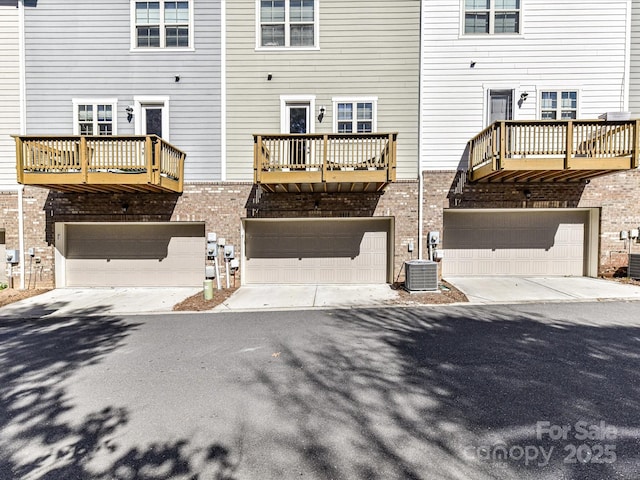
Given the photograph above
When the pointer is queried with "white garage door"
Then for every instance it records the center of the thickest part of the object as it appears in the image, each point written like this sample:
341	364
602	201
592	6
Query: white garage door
515	243
126	254
316	251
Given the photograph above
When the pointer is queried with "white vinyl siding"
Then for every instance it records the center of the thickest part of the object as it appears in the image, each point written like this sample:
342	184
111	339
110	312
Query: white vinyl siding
372	51
564	45
60	68
9	92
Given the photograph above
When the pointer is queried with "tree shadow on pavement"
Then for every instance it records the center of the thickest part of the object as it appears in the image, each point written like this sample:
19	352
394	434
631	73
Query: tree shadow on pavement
464	393
40	438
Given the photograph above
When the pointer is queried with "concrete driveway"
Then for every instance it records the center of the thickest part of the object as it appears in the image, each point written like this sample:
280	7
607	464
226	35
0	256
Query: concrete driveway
98	301
300	297
484	290
479	290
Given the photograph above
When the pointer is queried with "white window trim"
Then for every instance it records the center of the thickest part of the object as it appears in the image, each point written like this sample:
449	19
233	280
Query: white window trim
94	101
286	99
462	33
287	48
374	100
163	49
139	102
558	89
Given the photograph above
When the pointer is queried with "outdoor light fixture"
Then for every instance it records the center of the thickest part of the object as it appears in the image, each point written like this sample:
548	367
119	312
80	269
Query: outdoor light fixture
269	76
125	207
472	64
523	96
129	111
527	194
177	77
321	115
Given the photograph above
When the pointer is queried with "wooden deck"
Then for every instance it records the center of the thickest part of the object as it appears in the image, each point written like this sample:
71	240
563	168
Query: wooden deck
100	164
553	151
325	163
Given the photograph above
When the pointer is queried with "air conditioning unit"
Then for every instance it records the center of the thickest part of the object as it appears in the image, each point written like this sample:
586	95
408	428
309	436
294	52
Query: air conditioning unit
421	275
615	116
634	265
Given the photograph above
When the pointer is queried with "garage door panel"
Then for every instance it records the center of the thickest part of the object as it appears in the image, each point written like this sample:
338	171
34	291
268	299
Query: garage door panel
307	252
515	243
104	255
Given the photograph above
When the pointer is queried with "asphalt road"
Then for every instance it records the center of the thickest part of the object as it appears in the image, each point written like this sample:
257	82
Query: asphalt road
506	392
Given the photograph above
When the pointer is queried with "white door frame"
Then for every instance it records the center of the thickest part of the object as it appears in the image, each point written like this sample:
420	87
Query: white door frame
140	103
287	101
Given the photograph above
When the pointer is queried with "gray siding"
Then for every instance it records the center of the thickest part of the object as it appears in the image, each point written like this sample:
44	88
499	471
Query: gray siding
79	49
367	48
9	91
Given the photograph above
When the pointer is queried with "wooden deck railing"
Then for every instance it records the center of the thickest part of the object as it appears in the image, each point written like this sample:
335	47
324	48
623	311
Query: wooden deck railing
323	157
552	145
101	160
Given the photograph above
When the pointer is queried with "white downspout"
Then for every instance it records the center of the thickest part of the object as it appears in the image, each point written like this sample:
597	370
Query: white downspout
23	129
223	91
624	91
420	137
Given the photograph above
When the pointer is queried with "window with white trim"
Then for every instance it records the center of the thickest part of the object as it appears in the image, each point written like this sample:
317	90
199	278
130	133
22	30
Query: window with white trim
162	24
94	118
492	16
287	23
355	116
558	105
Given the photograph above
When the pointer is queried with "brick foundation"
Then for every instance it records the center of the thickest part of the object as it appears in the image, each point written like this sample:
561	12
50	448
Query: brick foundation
614	195
221	206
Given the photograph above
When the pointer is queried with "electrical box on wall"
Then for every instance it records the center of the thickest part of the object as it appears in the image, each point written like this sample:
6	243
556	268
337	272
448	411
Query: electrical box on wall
228	252
433	238
13	256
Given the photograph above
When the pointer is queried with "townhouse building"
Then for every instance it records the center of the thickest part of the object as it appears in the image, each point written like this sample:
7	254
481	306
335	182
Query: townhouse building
528	143
287	128
326	141
329	90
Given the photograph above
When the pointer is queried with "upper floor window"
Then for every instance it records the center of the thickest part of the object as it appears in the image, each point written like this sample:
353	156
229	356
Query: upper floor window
491	16
355	116
162	24
559	105
94	117
288	23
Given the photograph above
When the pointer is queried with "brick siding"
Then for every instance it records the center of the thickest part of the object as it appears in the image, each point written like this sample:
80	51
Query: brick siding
222	205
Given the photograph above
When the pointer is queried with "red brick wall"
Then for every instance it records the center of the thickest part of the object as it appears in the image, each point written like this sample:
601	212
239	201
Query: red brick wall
614	194
220	205
9	223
